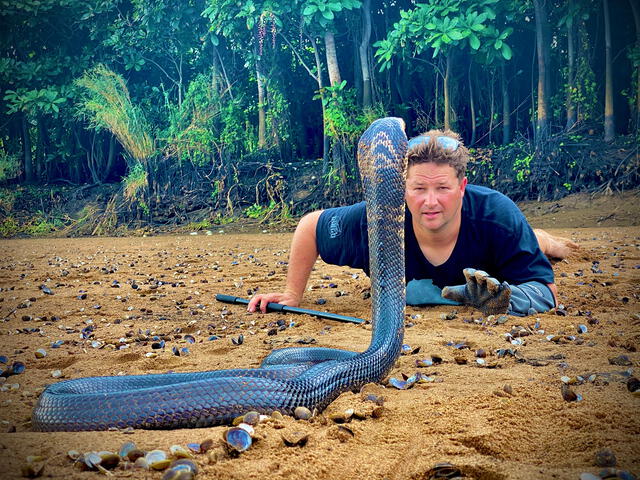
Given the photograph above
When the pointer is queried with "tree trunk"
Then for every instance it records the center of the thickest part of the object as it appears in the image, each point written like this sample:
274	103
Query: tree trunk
506	106
364	53
492	106
542	44
609	119
571	74
472	105
635	112
111	157
262	127
447	96
26	148
332	59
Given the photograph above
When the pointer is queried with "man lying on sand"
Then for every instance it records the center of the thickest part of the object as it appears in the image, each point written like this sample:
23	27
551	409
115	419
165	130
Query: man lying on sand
464	244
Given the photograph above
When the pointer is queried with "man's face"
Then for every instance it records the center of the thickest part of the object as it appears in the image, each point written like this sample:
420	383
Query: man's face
434	196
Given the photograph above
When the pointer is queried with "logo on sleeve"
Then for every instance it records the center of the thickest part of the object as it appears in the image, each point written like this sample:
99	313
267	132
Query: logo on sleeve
335	230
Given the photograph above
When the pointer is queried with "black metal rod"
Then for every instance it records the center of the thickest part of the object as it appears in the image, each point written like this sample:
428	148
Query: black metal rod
278	307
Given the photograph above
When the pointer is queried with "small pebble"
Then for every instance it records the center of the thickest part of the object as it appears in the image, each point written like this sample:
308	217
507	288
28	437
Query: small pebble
605	458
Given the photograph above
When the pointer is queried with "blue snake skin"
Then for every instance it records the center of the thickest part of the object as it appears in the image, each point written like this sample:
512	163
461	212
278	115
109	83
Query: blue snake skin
288	378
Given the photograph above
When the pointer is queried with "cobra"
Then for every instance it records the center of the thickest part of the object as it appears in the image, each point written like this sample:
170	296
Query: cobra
288	378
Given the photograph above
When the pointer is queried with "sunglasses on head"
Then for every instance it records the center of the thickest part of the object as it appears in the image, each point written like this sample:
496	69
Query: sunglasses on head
447	143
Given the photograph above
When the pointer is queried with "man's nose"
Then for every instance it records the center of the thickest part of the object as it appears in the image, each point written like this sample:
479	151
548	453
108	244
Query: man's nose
430	198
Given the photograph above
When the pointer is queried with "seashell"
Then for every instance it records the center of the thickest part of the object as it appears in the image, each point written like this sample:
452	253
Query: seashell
345	433
251	418
508	389
582	329
125	449
33	468
248	428
378	400
135	454
206	445
569	395
295	438
605	458
4	359
422	378
56	373
109	460
179	451
73	454
425	362
178	474
184	464
621	360
633	385
276	415
189	339
402	384
40	353
340	417
17	368
236	440
90	460
481	353
302	413
195	447
589	476
157	460
444	470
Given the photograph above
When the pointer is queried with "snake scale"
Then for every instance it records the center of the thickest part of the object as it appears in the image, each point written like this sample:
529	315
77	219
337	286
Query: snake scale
289	378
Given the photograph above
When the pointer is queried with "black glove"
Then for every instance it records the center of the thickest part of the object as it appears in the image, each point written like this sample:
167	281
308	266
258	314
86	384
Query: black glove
482	292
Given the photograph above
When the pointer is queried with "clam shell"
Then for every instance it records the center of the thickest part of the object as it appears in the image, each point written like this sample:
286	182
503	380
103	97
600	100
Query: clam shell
302	413
179	451
295	438
236	439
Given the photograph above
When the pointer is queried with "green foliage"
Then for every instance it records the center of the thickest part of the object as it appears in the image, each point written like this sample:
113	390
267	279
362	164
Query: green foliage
522	167
9	166
44	100
198	226
344	118
444	24
135	182
8	197
323	12
9	227
106	104
257	211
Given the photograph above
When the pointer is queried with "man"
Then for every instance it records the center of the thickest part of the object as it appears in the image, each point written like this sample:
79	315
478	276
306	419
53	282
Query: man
454	234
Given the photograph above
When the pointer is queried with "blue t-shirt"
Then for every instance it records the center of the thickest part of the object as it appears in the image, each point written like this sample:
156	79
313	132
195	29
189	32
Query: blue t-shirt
494	237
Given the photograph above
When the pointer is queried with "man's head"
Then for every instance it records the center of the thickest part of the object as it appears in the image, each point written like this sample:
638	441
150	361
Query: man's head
439	147
436	182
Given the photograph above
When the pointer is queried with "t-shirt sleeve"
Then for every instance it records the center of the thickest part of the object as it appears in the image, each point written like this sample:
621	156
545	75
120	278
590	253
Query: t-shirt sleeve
517	254
341	236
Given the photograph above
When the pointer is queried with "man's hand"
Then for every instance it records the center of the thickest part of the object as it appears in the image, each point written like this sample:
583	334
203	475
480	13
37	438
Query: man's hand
259	302
482	292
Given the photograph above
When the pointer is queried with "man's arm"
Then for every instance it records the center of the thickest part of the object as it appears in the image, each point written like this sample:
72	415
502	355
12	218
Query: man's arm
303	255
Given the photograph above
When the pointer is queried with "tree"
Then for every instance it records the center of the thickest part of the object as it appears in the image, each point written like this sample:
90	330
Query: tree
609	118
543	40
445	27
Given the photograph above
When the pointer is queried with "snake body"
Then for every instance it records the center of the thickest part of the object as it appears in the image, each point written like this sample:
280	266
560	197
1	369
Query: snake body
290	379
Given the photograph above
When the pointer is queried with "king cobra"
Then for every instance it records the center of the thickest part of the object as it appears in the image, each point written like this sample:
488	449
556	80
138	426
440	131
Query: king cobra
288	378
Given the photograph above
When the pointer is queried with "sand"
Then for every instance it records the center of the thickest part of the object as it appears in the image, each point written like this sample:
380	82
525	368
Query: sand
504	420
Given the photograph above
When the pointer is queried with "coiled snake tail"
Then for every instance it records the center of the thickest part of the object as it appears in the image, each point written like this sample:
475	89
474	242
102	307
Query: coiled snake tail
197	399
